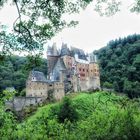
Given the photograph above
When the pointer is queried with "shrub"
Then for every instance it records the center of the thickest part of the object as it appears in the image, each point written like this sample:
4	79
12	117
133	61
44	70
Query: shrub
67	111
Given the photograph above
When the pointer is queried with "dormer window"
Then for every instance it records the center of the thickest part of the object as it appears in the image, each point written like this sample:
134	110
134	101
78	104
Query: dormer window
33	78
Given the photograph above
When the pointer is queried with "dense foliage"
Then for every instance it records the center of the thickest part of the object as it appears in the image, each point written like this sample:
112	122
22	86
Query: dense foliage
37	22
14	71
101	116
120	65
67	111
40	20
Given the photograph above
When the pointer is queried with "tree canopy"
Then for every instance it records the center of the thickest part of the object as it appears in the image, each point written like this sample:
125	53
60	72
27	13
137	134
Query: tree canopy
30	33
120	65
15	70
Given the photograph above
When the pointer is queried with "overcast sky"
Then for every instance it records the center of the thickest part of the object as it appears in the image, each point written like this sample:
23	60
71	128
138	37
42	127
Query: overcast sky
93	31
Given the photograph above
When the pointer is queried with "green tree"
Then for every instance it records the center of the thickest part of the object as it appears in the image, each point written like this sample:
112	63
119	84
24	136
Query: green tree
67	111
108	85
8	124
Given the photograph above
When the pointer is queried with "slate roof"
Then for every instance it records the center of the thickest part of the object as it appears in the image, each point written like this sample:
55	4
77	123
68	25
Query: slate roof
60	64
80	52
39	76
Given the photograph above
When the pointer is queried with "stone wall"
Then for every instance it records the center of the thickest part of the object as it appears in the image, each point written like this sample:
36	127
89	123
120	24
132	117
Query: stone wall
94	83
41	89
36	89
93	70
75	83
83	70
19	103
58	91
88	83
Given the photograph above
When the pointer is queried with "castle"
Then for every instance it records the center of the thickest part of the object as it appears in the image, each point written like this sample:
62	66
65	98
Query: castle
69	70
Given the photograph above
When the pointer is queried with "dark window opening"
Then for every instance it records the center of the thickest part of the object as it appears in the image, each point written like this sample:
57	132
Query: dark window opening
82	74
68	76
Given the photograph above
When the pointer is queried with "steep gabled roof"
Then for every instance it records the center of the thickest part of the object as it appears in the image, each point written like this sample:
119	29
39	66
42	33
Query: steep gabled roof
58	68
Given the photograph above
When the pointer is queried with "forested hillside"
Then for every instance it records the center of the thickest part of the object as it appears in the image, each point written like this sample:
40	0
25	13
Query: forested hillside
14	71
120	65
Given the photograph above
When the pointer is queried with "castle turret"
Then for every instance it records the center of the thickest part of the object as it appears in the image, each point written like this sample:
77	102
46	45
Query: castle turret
65	50
94	74
66	56
92	58
54	50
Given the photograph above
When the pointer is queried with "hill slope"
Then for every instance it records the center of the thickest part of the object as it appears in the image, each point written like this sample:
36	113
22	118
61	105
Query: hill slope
120	65
100	116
